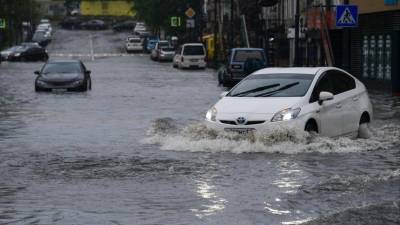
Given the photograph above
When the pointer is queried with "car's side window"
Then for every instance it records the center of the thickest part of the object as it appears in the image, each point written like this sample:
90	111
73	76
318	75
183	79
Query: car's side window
342	82
323	84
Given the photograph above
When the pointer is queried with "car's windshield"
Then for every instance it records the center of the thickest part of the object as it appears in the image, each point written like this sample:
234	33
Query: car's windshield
73	67
193	50
273	85
168	49
243	55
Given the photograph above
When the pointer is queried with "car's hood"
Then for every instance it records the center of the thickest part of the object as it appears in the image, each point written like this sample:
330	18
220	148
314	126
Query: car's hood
61	77
256	105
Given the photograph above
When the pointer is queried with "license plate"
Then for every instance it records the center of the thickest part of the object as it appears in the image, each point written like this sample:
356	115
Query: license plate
193	60
242	131
59	90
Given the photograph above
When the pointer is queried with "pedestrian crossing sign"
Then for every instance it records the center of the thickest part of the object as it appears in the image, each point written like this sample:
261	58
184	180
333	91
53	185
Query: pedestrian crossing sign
347	16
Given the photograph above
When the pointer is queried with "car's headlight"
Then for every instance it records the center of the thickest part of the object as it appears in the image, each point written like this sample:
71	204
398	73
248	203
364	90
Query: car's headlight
17	54
286	114
78	82
212	114
39	82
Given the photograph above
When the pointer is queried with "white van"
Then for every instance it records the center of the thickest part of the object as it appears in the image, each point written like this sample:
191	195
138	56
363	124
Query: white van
191	55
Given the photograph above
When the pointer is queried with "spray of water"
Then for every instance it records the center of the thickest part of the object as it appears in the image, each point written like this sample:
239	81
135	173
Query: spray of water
197	137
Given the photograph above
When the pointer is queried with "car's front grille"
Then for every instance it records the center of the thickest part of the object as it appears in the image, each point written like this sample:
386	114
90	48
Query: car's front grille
251	122
60	83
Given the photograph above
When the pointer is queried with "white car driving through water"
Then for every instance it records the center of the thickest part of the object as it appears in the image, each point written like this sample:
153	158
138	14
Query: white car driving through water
325	100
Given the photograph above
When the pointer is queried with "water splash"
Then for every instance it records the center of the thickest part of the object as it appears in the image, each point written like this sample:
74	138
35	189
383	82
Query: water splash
197	137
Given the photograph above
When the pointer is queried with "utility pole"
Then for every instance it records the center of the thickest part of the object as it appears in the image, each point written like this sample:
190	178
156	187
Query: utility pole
346	46
216	4
296	35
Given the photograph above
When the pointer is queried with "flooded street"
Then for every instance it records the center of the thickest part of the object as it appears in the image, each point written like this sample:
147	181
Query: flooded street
134	151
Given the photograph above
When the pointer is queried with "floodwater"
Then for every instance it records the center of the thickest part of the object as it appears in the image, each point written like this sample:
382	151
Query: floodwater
134	151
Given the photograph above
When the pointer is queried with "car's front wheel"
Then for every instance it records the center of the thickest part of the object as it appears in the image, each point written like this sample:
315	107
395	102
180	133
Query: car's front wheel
311	127
363	127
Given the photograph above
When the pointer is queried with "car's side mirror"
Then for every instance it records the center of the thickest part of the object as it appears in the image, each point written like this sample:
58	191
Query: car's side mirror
223	94
88	72
324	96
37	72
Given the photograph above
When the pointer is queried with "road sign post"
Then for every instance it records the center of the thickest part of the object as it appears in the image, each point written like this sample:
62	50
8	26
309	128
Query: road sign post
347	16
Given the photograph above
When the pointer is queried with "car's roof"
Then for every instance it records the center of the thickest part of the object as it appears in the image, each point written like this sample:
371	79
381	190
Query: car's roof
193	44
298	70
251	49
64	61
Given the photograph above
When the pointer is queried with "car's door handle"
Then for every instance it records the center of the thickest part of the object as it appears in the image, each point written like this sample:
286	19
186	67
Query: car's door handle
355	99
338	106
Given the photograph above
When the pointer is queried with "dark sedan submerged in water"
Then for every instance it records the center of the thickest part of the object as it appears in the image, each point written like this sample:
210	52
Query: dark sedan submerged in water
70	75
28	53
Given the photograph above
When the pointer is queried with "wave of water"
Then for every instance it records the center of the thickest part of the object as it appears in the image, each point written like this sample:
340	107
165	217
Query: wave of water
197	137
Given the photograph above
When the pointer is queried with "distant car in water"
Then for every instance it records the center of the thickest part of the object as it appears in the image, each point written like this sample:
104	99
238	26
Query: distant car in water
70	75
163	51
94	25
190	55
42	38
241	63
5	53
124	26
28	53
133	44
324	100
71	23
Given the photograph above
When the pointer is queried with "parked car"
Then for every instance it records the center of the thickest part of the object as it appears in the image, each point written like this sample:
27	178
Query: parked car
70	75
191	55
28	53
94	25
324	100
71	23
241	63
42	38
45	27
124	26
5	53
133	44
154	55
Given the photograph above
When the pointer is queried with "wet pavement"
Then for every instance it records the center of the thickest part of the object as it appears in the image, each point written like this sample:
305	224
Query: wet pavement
134	151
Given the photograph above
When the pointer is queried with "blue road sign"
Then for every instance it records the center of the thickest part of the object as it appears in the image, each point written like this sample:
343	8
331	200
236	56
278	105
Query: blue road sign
347	16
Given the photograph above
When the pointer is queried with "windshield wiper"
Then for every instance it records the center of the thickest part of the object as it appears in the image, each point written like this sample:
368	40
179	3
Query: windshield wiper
256	90
278	90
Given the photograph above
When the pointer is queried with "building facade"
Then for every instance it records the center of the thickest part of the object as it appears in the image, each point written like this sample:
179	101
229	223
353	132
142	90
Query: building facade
107	8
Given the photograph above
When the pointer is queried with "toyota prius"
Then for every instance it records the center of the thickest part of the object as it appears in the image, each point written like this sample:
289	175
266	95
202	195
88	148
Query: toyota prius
325	100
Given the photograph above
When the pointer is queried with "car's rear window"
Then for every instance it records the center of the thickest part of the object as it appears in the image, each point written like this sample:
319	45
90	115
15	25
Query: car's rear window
134	40
193	50
243	55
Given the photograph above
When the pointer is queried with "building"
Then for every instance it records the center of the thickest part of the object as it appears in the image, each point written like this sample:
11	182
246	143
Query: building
52	8
107	8
375	44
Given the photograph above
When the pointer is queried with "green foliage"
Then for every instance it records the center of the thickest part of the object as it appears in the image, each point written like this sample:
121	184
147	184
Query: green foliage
15	12
157	13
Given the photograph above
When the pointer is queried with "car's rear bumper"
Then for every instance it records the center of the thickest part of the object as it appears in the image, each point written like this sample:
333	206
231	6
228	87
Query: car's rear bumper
201	64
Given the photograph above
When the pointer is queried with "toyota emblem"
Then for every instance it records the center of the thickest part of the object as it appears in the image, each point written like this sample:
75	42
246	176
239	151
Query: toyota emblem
241	120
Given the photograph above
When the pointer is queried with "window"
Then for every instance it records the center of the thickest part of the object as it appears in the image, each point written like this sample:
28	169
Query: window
341	82
324	84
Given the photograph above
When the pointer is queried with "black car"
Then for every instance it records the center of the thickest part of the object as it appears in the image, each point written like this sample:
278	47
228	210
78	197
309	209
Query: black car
71	23
124	26
94	25
70	75
28	53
